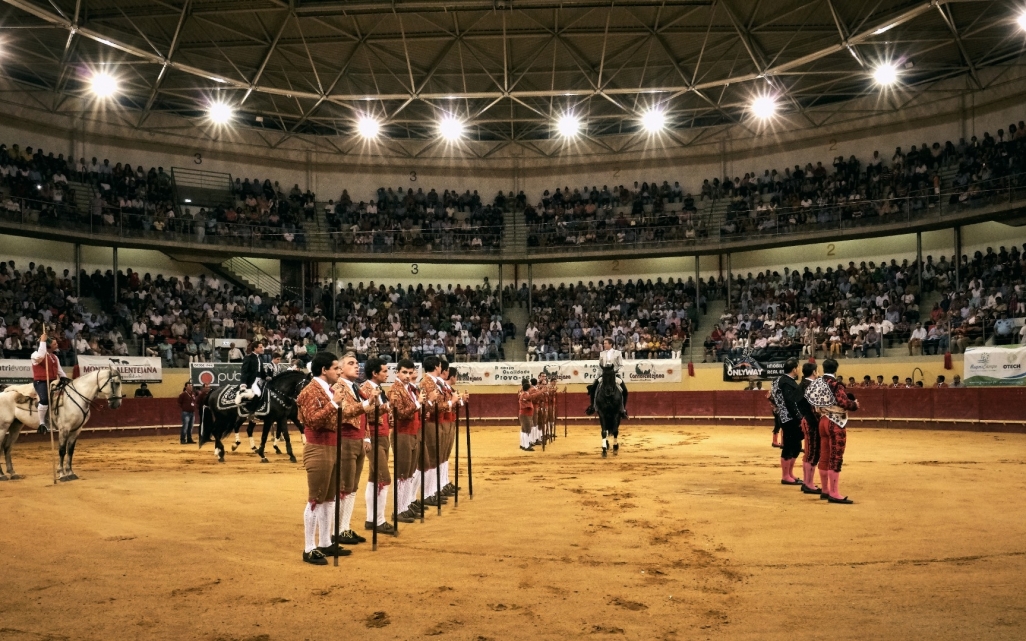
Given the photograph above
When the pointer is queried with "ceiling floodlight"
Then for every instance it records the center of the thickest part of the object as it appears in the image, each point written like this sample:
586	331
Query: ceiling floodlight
764	107
368	127
653	121
885	74
220	113
451	128
568	125
103	85
1022	20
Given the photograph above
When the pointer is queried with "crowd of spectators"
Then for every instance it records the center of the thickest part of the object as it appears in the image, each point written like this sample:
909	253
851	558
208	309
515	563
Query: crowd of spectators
397	220
849	192
645	319
857	311
204	319
137	202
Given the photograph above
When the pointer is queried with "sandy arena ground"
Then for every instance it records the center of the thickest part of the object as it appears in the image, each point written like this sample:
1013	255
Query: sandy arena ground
687	534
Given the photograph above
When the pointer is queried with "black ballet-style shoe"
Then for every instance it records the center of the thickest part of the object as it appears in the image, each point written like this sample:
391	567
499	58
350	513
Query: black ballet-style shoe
794	482
844	501
810	490
330	550
823	496
314	557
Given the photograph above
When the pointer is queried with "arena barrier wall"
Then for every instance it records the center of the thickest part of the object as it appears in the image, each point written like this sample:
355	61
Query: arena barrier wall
974	409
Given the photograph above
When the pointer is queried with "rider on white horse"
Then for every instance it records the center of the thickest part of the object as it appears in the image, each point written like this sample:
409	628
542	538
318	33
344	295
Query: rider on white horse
45	369
609	356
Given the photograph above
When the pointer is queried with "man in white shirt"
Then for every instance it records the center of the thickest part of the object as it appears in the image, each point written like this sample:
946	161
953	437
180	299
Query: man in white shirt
916	339
611	357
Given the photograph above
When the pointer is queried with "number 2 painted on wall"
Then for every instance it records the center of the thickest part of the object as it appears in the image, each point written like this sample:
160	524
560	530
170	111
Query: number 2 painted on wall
830	249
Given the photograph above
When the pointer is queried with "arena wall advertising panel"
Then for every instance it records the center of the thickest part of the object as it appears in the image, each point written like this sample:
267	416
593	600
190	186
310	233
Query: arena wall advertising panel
133	369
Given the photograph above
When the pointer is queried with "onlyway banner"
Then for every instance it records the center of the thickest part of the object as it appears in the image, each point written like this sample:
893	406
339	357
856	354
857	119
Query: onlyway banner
133	369
511	373
995	366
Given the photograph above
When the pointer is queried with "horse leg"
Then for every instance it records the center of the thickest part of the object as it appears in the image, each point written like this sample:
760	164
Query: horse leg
605	443
249	433
62	450
12	437
288	442
238	441
219	448
278	427
263	439
71	453
5	446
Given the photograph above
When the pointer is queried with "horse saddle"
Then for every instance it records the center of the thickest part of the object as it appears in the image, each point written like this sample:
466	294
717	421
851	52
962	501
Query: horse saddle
27	393
226	403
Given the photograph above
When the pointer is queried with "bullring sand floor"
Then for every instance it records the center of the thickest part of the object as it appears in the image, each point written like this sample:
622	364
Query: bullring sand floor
687	534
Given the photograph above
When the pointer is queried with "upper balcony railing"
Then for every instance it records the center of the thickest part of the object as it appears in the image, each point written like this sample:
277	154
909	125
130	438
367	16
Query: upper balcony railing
718	229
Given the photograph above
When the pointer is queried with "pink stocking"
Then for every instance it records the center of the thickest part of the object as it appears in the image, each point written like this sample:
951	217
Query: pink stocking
824	481
835	490
783	470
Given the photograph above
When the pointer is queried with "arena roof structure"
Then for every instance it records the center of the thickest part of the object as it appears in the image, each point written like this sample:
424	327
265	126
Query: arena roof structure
541	77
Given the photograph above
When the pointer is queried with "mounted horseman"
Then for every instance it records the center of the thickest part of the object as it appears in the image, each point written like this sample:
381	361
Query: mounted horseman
46	369
609	357
253	377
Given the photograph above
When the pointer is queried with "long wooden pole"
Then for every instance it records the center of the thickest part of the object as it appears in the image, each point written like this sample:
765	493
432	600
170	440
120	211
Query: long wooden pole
338	479
470	464
456	492
438	466
423	508
377	476
395	470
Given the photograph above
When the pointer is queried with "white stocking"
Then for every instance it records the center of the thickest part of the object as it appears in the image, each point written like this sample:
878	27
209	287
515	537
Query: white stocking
348	503
382	502
369	497
325	523
309	528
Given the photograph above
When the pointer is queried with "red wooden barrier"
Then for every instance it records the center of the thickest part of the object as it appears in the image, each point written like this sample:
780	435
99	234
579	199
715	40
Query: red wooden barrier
963	404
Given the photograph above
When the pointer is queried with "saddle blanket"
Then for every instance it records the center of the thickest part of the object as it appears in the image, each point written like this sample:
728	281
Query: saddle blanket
226	402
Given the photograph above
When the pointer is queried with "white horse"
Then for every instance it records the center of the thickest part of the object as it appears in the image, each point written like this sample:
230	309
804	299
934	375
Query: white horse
69	412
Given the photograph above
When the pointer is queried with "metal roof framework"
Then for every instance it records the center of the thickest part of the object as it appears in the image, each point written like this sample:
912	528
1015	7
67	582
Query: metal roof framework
307	70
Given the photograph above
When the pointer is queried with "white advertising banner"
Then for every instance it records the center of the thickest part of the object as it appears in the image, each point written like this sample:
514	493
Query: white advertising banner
511	373
995	366
15	371
133	369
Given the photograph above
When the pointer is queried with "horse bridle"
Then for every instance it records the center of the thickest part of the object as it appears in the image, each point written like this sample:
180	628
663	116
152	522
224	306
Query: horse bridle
86	402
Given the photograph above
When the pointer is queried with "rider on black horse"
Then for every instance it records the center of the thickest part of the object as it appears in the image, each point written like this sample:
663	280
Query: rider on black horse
609	356
253	375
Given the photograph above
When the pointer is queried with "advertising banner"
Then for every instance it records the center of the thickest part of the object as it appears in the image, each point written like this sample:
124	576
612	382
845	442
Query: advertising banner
14	371
133	369
217	374
757	365
511	373
995	366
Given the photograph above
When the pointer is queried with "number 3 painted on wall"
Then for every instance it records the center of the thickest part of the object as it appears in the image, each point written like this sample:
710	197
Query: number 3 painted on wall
413	176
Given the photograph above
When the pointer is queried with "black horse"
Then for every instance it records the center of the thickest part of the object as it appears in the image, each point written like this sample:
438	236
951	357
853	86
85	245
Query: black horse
608	404
221	415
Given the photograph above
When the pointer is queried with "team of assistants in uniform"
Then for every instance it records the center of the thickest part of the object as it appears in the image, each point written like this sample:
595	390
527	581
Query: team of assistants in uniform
812	416
365	408
536	405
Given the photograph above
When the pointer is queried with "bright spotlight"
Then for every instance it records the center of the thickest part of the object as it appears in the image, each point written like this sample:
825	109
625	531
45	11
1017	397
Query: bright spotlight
368	127
568	125
886	74
764	107
220	113
1022	20
653	121
451	128
103	85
